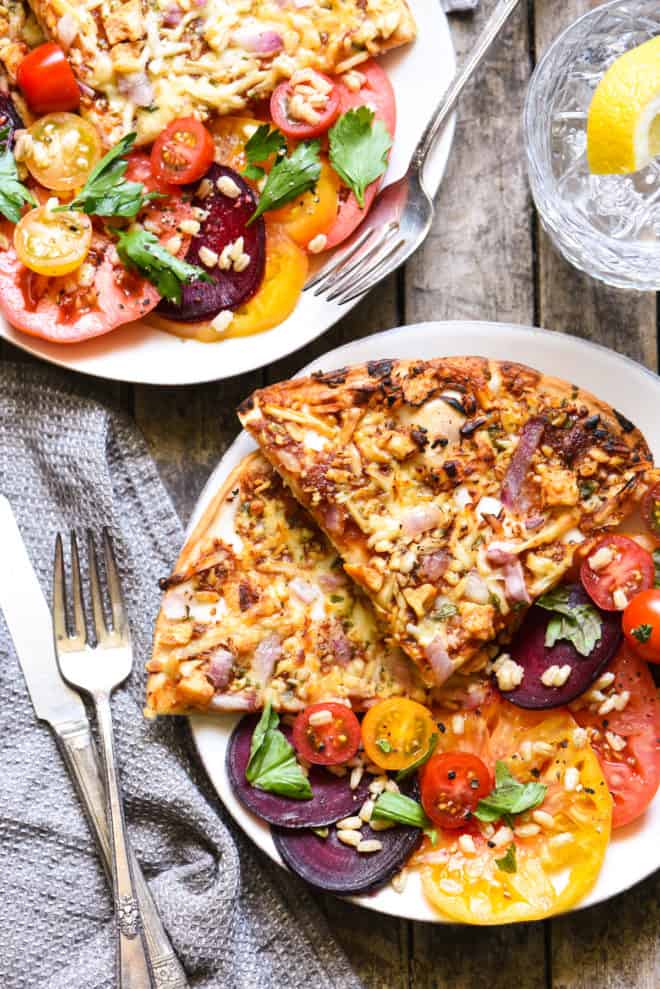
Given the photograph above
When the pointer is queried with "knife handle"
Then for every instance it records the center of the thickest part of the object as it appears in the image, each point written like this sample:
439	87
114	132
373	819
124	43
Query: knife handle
80	755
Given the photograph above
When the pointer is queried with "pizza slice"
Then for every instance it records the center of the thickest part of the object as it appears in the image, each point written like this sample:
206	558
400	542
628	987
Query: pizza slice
258	608
455	490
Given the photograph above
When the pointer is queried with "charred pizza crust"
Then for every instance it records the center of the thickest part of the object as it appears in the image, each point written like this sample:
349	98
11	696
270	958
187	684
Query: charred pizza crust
456	490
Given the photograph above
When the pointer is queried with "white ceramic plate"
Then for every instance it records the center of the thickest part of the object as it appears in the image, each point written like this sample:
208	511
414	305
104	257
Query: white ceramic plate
144	355
635	852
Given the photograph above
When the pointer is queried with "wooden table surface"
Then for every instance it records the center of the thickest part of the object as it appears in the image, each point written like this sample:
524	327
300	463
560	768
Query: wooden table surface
486	258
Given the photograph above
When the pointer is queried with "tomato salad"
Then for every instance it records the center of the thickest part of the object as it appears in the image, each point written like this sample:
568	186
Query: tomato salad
210	231
501	793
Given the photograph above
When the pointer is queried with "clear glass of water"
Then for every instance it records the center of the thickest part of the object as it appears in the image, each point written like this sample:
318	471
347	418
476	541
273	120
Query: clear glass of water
605	225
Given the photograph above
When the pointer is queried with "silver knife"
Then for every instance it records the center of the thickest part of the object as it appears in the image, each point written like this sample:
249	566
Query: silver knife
29	621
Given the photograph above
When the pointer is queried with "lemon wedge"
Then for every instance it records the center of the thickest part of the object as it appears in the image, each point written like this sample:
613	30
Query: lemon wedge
623	127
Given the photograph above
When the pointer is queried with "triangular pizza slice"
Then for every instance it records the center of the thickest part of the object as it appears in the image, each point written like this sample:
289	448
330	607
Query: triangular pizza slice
455	489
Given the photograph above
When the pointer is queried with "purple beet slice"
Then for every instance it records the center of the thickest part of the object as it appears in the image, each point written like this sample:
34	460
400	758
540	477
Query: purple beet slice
337	868
9	115
528	649
226	222
332	796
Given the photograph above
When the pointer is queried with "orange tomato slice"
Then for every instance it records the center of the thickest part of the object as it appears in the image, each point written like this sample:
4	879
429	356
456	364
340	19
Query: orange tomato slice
314	212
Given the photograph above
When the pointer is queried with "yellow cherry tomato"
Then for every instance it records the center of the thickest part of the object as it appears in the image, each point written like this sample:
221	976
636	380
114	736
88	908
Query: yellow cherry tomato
313	213
230	135
62	151
52	243
552	860
397	732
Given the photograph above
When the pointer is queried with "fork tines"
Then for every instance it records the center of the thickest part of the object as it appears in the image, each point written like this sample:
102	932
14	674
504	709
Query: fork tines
105	634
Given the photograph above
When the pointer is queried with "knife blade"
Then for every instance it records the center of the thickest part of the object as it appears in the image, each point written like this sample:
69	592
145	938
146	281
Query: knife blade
29	622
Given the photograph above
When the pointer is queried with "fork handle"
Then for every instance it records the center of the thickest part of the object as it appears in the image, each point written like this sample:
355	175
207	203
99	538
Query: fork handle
132	965
82	761
491	29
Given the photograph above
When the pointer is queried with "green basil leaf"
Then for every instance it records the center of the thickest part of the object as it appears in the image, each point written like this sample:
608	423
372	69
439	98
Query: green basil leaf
401	810
580	624
272	765
13	194
509	796
508	863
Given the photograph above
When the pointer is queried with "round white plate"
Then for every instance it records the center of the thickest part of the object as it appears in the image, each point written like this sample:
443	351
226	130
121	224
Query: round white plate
635	852
420	73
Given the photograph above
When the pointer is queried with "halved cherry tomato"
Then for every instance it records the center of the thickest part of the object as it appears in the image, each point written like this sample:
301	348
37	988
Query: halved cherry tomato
183	152
327	111
314	212
333	741
651	510
629	570
632	771
397	732
378	94
52	243
466	884
63	150
641	625
47	80
230	135
453	783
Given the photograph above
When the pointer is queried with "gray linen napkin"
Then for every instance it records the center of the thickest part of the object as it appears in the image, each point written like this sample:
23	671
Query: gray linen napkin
458	6
235	920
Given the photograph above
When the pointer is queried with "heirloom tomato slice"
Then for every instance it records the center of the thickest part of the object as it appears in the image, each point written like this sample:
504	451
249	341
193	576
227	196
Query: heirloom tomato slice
545	868
330	743
632	772
397	732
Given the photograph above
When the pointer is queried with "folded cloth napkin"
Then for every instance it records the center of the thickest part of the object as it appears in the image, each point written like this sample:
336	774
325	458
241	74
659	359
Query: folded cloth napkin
235	920
456	6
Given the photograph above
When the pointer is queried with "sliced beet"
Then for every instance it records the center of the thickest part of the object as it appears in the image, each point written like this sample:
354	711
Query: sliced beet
226	221
332	796
528	649
337	868
9	115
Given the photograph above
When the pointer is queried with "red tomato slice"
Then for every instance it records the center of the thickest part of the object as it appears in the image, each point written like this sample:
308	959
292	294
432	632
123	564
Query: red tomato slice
453	783
651	510
630	569
632	772
47	80
327	744
378	94
299	129
641	625
183	152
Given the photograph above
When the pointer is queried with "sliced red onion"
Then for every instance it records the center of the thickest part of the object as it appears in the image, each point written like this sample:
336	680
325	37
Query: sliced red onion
476	589
266	655
433	565
220	667
303	590
420	519
174	605
67	29
333	519
173	16
499	554
514	583
261	42
245	701
438	657
332	581
530	437
138	89
341	645
534	522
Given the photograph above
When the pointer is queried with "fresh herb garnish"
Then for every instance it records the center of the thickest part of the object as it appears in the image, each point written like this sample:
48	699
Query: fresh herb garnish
384	745
400	809
586	489
656	564
403	773
13	194
272	765
643	632
508	863
509	796
321	832
290	177
358	149
141	250
106	192
444	611
580	623
263	143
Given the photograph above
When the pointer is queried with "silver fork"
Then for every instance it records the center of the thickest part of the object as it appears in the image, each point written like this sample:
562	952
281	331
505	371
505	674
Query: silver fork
402	213
97	671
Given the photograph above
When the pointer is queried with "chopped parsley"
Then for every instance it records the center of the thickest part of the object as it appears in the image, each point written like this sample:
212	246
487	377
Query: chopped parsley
586	489
509	796
263	144
580	624
290	176
142	251
444	611
106	192
359	146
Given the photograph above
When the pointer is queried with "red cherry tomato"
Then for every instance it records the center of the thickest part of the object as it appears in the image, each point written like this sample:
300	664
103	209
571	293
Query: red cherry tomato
183	152
301	129
47	80
327	744
629	569
453	783
651	510
641	625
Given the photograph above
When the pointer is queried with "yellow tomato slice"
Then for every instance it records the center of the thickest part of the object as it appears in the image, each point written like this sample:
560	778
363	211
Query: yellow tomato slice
52	243
62	151
314	212
397	732
558	859
231	134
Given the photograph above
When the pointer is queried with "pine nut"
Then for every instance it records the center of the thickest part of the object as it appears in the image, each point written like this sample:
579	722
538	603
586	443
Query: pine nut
350	824
352	838
319	718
